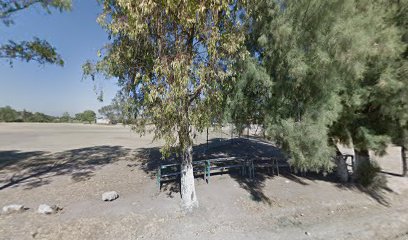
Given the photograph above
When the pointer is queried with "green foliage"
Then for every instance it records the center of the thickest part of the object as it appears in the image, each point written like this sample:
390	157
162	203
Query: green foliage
35	50
88	116
8	8
174	61
115	112
7	114
327	61
65	117
250	95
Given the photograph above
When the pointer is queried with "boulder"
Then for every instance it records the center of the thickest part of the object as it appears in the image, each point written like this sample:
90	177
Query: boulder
46	209
110	196
13	208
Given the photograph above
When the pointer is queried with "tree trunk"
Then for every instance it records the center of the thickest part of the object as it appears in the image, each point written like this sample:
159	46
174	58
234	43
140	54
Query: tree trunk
341	170
188	193
341	165
360	156
404	161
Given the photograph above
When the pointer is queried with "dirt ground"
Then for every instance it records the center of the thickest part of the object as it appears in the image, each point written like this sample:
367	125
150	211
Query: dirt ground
71	165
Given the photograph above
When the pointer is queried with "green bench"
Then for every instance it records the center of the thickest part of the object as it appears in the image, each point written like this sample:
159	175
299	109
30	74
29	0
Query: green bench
167	172
246	166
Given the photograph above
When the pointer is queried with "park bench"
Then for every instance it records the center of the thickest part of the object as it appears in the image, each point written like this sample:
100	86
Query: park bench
220	165
167	172
246	166
269	163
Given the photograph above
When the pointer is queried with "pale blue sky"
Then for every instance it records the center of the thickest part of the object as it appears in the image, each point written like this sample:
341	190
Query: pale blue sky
52	89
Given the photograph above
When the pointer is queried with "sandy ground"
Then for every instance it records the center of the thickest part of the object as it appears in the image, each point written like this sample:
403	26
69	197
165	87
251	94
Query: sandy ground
71	165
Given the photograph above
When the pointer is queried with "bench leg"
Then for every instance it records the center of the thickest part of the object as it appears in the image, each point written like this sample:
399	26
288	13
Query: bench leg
208	167
159	178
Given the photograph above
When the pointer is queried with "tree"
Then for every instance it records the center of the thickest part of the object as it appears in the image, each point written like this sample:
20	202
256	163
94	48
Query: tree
86	116
41	117
65	117
316	54
114	111
374	110
391	93
35	50
8	114
174	62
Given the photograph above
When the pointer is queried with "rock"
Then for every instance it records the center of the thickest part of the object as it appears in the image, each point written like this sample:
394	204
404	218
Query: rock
110	196
13	208
46	209
307	233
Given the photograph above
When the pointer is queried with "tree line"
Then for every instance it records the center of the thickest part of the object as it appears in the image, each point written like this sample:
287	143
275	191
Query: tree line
8	114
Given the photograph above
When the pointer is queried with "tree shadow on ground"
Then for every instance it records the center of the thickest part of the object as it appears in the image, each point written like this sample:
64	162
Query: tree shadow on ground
378	194
34	169
149	159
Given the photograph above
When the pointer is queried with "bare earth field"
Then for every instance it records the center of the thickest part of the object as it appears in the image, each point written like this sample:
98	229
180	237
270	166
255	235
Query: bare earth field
71	165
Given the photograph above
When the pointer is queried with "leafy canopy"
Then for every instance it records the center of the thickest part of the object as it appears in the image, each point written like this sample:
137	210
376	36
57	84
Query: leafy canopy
316	54
173	60
35	50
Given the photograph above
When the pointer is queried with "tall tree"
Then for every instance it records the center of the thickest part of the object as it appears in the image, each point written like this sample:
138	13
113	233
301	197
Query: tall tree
8	114
316	54
374	108
65	117
35	50
86	116
115	111
174	61
390	93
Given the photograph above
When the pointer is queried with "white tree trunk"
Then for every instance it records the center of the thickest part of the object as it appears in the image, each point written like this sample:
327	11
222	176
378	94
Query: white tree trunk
188	193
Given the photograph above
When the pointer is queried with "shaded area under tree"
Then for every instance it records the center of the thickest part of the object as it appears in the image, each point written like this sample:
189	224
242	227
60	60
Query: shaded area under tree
36	168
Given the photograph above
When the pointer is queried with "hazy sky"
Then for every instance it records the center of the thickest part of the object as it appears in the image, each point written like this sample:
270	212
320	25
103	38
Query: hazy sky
53	89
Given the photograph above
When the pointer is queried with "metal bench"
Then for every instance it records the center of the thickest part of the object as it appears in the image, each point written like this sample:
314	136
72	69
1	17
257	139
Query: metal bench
270	163
218	165
166	172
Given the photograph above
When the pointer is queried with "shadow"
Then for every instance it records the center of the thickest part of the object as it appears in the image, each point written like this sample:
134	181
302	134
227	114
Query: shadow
392	174
8	158
34	169
378	194
149	159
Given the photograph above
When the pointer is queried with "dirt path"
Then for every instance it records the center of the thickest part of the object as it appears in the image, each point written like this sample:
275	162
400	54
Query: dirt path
72	165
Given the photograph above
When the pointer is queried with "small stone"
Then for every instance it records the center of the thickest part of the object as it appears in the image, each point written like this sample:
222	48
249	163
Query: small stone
45	209
34	234
110	196
13	208
307	233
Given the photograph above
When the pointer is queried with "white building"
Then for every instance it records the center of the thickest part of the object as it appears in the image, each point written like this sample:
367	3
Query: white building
103	121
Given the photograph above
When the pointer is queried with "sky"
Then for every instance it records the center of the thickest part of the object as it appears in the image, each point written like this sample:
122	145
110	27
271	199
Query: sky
53	89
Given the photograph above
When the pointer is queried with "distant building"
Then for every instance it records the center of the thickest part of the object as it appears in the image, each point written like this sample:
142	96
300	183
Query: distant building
103	121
